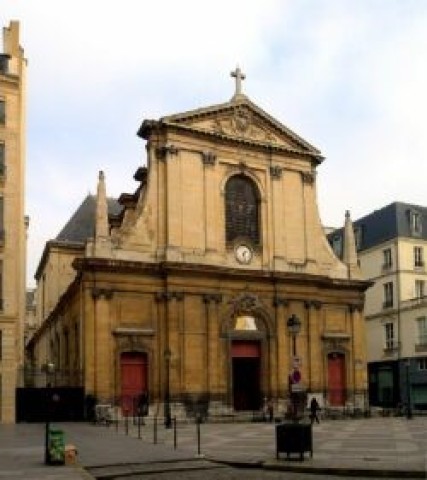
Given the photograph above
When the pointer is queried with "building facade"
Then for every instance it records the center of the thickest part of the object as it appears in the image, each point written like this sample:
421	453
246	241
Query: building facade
190	292
12	217
391	244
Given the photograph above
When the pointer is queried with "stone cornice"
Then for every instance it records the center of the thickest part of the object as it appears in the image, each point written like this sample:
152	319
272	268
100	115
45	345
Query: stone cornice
163	269
254	144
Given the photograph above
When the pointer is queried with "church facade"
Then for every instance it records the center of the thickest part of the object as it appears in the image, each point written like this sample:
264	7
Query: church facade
191	291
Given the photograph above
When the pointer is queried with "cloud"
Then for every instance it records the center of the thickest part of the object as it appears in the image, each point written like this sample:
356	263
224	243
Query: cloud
348	76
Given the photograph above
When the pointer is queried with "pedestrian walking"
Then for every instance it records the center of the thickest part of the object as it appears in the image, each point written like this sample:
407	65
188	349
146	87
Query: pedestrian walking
270	410
314	408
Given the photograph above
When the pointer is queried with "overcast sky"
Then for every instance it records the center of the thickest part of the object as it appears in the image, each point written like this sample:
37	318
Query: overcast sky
349	77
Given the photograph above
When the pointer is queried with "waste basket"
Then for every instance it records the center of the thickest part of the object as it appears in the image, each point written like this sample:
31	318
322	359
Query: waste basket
294	438
56	448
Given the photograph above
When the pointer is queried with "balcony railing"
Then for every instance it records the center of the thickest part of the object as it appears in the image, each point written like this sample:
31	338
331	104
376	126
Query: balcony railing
386	267
414	302
388	304
391	346
421	346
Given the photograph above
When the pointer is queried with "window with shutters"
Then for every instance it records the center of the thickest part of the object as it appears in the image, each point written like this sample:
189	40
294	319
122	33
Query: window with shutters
242	209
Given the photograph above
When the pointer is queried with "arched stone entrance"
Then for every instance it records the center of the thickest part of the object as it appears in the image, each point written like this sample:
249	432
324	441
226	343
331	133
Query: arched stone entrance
248	329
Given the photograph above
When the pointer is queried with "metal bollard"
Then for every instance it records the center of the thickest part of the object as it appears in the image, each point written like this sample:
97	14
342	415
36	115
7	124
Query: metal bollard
126	422
117	419
174	433
139	426
155	430
198	421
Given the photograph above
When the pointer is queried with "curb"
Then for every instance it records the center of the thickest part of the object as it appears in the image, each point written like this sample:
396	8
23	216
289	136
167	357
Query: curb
337	471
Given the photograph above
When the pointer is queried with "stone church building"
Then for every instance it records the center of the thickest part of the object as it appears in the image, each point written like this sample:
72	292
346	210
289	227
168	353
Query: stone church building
191	290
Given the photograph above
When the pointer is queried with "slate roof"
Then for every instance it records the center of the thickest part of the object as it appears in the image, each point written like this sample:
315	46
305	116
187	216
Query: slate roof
389	222
81	225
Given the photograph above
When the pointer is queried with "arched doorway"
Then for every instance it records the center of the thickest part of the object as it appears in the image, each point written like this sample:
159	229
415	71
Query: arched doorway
246	371
336	379
134	381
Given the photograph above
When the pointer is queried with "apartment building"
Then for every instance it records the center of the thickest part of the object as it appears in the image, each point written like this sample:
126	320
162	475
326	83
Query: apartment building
12	217
392	245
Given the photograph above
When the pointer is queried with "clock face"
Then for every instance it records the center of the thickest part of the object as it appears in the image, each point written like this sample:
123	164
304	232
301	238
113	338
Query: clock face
243	254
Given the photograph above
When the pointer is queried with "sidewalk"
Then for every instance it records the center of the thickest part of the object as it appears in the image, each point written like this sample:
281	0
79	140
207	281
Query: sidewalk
393	446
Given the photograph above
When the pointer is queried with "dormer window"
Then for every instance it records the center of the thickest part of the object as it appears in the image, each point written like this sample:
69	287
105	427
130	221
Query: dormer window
358	237
415	222
336	244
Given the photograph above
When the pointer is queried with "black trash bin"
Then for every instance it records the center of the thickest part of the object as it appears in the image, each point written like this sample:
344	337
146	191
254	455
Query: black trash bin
56	447
294	438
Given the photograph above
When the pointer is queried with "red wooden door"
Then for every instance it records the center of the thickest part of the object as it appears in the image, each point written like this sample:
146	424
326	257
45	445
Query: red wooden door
336	379
133	367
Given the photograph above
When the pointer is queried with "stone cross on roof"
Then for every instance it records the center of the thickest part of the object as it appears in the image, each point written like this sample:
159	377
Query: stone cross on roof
239	76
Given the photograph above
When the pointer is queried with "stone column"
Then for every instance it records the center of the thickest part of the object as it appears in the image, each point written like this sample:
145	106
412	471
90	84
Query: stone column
212	301
102	343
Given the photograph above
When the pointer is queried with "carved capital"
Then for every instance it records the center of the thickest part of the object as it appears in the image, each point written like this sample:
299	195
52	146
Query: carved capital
97	292
276	171
163	151
280	301
212	297
308	177
208	158
313	304
356	307
168	296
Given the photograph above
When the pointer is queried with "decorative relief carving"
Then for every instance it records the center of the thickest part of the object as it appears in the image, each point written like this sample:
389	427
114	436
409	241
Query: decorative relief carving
276	171
208	158
245	303
163	151
242	124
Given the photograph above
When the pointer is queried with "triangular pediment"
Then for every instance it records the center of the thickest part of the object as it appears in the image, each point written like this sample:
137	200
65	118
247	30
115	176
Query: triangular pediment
243	120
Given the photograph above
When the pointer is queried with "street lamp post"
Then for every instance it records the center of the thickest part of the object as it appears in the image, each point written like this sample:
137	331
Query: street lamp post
49	368
167	407
294	327
408	390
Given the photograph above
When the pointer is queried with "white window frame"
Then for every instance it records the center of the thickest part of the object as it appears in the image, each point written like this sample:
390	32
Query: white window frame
389	336
388	258
418	256
419	288
422	330
388	294
422	363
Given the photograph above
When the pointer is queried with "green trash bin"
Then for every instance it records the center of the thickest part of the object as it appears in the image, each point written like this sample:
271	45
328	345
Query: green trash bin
56	447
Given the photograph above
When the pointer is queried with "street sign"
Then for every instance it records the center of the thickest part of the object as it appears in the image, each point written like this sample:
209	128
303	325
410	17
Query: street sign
296	362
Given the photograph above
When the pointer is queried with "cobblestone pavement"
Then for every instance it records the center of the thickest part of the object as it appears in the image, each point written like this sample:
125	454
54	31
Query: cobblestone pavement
391	447
377	443
237	474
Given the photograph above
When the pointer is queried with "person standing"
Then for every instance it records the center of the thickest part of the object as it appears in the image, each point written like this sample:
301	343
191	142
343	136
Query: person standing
314	408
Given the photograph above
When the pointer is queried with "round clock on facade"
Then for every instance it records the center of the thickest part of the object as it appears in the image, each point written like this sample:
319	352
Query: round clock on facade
243	254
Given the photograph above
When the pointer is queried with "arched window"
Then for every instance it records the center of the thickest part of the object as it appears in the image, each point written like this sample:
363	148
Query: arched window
241	209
